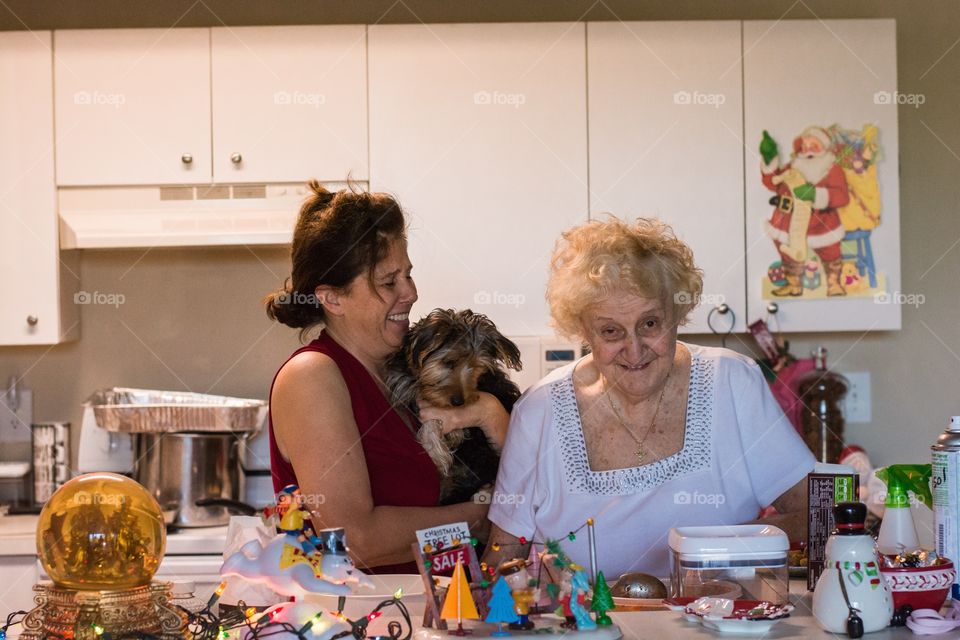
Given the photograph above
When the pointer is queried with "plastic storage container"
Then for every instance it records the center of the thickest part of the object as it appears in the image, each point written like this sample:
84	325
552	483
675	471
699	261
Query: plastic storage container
741	562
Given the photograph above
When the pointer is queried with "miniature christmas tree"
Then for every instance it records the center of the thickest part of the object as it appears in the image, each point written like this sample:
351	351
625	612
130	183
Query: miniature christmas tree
602	600
459	604
501	607
560	558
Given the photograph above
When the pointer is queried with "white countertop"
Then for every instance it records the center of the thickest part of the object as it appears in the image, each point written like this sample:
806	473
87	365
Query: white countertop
18	538
656	625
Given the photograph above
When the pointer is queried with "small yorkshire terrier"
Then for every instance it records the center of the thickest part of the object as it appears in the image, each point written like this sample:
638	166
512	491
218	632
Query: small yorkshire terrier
446	359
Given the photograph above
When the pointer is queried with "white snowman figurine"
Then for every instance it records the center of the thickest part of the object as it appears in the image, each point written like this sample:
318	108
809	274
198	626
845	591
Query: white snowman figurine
851	596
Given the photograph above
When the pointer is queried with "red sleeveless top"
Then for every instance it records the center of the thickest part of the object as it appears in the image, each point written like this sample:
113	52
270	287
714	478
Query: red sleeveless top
401	473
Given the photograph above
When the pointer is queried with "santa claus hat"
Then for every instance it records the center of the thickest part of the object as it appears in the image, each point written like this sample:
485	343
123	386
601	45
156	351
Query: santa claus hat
812	132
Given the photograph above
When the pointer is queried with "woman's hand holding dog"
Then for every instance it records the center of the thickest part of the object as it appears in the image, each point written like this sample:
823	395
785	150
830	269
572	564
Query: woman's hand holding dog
486	413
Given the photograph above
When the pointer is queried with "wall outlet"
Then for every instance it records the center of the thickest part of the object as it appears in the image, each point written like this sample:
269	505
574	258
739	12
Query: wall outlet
856	404
15	424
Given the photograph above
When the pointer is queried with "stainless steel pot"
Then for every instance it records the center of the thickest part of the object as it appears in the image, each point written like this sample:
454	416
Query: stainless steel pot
180	469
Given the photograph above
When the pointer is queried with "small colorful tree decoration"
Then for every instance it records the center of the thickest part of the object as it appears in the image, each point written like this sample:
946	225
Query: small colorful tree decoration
501	607
459	604
602	600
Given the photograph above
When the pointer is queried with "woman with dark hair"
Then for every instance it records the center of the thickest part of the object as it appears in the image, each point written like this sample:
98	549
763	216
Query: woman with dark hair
333	430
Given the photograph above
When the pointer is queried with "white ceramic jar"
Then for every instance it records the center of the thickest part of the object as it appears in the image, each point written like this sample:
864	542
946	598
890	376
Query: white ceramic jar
852	557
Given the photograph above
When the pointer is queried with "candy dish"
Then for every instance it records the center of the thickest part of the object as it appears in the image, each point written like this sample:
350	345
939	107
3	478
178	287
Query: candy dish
920	587
751	617
739	626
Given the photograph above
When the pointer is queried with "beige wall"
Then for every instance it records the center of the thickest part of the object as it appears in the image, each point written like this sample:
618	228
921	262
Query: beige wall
192	319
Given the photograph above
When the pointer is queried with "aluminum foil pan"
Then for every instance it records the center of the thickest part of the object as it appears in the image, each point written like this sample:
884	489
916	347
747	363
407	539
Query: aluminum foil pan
152	411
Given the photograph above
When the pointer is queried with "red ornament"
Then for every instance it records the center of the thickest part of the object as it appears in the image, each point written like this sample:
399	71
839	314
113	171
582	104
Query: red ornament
523	540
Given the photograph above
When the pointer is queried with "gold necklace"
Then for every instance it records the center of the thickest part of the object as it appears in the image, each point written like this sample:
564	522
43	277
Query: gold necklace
641	453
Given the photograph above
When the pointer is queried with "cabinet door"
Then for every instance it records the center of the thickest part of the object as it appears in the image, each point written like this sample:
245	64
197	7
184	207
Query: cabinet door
28	211
289	103
802	73
665	130
133	106
480	131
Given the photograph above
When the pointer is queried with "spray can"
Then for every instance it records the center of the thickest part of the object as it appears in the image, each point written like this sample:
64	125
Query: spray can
944	481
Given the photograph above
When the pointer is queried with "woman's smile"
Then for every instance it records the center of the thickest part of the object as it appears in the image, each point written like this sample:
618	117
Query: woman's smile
403	318
635	367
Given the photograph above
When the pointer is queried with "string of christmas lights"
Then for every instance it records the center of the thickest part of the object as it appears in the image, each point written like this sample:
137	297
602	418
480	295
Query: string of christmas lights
522	542
251	625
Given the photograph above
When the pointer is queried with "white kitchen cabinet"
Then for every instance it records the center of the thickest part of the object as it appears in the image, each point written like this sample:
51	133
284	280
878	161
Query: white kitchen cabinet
480	131
665	124
289	103
36	285
799	73
132	106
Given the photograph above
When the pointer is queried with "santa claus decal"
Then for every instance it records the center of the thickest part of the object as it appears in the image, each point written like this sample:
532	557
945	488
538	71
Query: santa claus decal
825	206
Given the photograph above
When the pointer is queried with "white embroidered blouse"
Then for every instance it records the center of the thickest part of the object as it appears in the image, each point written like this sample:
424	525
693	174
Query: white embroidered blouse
739	454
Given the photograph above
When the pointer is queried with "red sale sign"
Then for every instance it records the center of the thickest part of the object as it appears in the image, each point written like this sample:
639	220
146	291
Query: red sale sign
443	563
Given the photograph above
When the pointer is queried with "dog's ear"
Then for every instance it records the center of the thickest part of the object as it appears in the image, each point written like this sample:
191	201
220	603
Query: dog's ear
499	346
400	381
508	352
423	339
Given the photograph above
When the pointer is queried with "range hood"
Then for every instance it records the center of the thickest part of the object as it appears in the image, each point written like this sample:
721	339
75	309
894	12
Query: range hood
179	216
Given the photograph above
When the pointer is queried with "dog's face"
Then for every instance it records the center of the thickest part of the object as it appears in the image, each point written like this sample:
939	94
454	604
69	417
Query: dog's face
449	350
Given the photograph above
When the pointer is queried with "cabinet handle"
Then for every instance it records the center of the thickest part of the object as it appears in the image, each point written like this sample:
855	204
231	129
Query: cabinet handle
186	158
32	320
236	158
723	308
772	308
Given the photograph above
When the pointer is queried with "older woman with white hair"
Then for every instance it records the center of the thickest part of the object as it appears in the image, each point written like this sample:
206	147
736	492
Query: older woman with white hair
645	433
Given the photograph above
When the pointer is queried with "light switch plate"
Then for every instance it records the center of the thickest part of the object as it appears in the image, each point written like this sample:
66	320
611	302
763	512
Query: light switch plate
15	425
